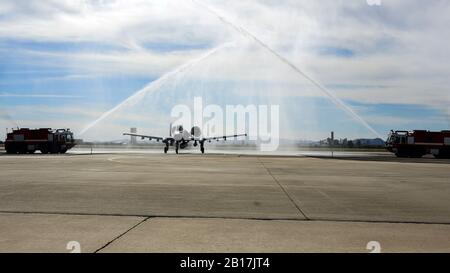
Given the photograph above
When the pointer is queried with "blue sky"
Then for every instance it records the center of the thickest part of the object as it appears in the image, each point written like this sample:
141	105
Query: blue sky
64	63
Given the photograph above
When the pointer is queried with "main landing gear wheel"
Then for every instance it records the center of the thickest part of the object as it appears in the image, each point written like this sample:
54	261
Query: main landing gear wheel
202	149
166	149
176	147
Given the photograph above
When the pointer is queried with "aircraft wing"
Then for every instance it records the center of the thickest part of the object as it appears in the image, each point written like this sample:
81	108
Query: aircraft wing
222	137
144	136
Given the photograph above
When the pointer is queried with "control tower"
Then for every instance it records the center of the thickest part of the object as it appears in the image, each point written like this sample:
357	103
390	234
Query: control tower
133	138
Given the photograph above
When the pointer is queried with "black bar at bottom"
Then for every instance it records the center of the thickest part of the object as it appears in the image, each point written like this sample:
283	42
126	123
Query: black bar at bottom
237	262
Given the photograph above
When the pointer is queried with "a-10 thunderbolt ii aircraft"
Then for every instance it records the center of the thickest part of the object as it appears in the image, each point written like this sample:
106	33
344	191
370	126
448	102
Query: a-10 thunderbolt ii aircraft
182	137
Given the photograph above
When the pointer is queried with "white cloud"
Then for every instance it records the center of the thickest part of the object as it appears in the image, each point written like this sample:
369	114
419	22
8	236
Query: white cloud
127	23
91	64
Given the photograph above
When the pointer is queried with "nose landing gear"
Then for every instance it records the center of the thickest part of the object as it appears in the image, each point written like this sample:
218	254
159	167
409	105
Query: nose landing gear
202	147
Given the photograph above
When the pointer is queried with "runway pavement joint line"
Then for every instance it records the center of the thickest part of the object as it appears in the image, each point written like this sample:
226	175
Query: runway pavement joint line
122	234
317	219
284	190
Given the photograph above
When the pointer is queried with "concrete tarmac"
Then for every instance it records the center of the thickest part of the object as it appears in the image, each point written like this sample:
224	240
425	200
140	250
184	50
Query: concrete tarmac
216	202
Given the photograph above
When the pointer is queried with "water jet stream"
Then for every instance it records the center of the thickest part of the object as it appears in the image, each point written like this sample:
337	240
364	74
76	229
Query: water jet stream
328	93
154	85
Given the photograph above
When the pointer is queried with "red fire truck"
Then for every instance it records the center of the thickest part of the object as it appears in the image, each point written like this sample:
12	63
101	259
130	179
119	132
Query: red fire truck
418	143
46	140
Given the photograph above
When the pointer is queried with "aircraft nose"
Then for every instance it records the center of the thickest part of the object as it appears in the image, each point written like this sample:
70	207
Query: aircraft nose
186	135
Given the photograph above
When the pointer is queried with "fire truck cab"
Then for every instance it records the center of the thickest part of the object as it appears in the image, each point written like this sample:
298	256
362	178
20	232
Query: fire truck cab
418	143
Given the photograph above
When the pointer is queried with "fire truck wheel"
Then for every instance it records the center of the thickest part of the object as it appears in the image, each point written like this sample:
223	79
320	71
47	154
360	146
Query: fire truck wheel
31	151
44	150
63	151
